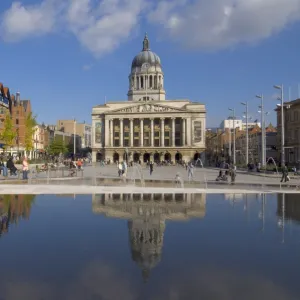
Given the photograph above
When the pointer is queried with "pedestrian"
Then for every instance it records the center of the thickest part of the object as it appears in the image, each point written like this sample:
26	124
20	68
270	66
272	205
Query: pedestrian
25	167
120	168
151	165
124	168
233	174
190	169
285	173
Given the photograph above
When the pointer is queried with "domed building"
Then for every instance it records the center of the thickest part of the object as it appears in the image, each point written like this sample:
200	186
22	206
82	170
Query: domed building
146	80
147	127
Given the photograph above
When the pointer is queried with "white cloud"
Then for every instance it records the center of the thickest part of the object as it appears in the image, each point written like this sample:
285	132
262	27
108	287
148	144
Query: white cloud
215	24
102	25
20	22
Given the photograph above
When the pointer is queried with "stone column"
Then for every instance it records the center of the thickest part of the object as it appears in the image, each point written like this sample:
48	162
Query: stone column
152	132
173	132
162	129
131	132
121	133
112	133
106	142
183	133
141	132
189	131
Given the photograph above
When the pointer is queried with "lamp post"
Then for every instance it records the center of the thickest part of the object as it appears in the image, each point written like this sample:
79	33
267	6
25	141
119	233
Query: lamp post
233	120
247	133
280	87
74	138
263	131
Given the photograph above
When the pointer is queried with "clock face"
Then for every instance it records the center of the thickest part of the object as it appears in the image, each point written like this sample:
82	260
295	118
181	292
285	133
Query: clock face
145	66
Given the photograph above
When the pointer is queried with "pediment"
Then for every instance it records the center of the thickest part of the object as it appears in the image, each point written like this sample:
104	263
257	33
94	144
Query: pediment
147	108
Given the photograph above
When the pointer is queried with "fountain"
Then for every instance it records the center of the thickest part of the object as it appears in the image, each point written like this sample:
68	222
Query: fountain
179	181
199	161
272	159
137	173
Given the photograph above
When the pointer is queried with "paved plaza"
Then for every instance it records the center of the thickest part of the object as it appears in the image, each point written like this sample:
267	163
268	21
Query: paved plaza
161	176
200	174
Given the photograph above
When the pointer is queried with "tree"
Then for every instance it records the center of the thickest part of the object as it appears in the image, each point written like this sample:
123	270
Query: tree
8	135
56	147
30	123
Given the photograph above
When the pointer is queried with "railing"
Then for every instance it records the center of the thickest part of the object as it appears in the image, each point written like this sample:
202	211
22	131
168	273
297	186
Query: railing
46	174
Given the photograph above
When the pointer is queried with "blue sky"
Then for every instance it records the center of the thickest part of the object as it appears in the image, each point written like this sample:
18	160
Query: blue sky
66	56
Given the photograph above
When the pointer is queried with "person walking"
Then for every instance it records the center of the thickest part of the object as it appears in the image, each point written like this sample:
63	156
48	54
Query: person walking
233	174
25	167
190	169
285	173
151	165
120	168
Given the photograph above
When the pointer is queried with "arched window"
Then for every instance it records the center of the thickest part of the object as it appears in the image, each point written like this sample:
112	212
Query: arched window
155	82
142	82
151	83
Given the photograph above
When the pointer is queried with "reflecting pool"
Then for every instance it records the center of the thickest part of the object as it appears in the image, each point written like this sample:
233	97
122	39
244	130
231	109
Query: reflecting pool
150	246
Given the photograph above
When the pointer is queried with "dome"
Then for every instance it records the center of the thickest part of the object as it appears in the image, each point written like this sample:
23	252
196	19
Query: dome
146	56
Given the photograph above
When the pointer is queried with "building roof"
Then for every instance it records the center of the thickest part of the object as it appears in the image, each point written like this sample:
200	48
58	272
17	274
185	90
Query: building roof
146	56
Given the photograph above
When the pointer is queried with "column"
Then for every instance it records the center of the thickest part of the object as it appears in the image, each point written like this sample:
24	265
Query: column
131	132
189	131
173	132
152	132
106	142
183	133
141	132
112	133
162	132
121	133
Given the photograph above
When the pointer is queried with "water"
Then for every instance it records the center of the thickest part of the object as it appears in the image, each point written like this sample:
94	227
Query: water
137	174
150	247
272	159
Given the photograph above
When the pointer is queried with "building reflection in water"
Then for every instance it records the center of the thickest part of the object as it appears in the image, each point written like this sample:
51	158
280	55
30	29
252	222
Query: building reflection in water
146	215
13	208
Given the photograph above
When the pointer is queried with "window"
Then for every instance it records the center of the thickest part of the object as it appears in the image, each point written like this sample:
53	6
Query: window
17	121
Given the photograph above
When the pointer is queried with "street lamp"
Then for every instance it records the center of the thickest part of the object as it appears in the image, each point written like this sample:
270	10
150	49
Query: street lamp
233	117
74	142
263	131
280	87
247	133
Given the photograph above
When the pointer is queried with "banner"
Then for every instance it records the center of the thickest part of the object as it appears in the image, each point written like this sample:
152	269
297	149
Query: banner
98	132
197	132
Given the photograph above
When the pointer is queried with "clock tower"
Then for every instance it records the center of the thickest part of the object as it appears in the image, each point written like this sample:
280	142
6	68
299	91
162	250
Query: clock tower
146	79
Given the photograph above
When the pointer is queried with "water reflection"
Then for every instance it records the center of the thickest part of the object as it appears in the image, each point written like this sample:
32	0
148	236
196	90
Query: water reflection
14	208
80	255
147	214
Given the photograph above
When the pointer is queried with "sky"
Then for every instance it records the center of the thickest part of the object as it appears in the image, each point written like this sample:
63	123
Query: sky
67	56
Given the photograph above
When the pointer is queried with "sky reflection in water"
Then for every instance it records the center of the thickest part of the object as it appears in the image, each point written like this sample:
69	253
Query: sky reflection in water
159	247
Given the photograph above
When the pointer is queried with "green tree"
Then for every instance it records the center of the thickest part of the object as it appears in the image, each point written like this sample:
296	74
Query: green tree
30	123
56	147
8	135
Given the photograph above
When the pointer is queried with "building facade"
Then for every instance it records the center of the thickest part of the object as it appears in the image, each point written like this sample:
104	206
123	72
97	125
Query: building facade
83	130
147	126
292	132
230	124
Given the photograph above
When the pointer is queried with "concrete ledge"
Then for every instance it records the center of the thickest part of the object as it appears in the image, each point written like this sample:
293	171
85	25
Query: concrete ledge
88	190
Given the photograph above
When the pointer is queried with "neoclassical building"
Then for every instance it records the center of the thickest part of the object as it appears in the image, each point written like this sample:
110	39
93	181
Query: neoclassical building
147	126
